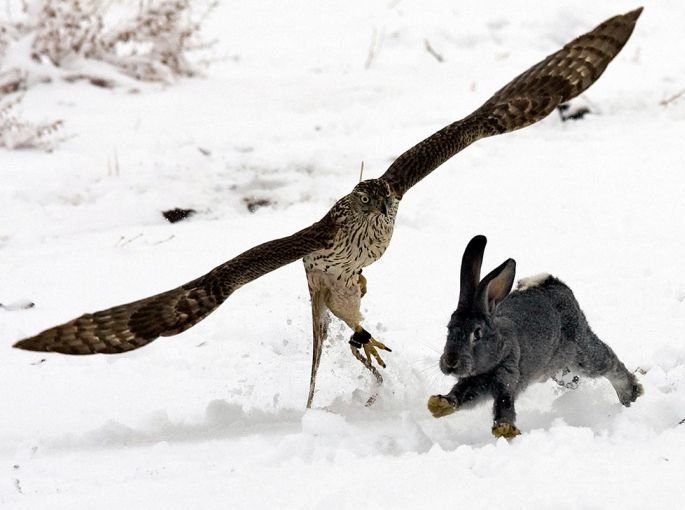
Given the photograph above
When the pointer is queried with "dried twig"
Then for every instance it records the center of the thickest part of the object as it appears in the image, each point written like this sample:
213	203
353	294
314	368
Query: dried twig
434	53
23	304
17	482
374	47
12	80
123	240
98	81
166	240
672	99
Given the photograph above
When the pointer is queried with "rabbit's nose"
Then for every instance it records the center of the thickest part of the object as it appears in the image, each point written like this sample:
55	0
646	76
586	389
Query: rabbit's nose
451	360
448	362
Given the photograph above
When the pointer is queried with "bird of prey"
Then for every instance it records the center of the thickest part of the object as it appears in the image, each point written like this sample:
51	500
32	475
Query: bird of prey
356	230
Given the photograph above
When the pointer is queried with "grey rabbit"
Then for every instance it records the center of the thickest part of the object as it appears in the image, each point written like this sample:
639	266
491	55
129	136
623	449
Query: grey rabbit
500	342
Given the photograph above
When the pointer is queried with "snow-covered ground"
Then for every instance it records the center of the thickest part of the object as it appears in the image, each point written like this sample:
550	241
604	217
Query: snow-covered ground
214	418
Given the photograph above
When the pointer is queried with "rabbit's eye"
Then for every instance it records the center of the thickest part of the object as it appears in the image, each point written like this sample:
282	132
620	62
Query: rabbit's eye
477	334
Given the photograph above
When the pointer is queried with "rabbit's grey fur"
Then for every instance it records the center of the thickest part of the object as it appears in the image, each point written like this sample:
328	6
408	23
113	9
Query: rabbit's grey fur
499	342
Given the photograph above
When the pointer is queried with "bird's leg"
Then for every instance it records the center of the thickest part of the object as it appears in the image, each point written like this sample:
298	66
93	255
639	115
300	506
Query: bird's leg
370	351
367	364
363	339
362	284
344	301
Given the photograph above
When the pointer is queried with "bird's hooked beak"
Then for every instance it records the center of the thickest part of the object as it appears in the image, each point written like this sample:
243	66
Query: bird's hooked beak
384	208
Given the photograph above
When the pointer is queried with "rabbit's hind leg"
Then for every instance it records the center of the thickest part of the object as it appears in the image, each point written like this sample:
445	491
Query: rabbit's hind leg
624	382
598	359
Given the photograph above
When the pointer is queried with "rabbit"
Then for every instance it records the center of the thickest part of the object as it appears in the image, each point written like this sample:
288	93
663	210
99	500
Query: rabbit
500	342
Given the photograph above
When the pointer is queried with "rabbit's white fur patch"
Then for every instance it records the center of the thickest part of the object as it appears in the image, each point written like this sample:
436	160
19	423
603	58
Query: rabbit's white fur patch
531	281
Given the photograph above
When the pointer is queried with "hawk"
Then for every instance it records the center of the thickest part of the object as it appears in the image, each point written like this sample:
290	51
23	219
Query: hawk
355	231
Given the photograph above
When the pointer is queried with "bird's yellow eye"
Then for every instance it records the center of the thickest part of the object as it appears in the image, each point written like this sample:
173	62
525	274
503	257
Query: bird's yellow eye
365	199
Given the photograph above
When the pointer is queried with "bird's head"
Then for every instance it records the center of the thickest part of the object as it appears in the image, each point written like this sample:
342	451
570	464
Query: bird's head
372	196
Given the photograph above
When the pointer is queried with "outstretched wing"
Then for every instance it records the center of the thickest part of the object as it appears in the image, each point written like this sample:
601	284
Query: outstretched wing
528	98
127	327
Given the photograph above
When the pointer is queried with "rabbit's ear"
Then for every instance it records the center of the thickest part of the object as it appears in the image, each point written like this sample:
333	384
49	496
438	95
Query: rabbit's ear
496	286
470	271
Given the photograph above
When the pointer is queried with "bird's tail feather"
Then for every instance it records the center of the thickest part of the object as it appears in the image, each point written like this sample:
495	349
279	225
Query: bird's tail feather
320	321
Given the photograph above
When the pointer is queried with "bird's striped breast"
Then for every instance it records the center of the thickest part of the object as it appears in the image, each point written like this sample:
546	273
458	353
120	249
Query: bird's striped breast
360	241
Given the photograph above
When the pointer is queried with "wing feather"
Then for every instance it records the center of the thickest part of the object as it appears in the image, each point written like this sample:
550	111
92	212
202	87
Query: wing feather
132	325
528	98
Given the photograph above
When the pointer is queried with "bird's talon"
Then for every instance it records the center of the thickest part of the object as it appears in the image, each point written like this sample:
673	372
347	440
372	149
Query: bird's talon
371	352
367	363
363	339
378	344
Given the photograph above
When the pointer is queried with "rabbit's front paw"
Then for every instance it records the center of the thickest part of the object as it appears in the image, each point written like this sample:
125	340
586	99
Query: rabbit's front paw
440	406
505	430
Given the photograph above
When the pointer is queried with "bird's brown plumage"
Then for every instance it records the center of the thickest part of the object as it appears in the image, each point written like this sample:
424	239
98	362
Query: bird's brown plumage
338	246
132	325
526	99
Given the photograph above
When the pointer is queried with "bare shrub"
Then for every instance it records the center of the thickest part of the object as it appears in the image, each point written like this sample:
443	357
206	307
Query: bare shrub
17	133
64	29
152	44
12	80
83	40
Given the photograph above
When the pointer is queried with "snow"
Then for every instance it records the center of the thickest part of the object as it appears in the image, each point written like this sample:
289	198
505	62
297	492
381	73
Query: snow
214	418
